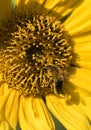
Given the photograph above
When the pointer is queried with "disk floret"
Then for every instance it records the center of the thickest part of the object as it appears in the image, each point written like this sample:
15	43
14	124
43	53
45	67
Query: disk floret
37	52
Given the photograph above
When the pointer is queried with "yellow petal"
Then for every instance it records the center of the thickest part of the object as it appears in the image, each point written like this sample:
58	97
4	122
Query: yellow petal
64	7
83	47
81	28
83	52
17	1
11	108
71	89
4	126
23	121
3	88
3	100
86	106
43	113
84	64
30	5
41	2
69	115
79	21
86	37
49	4
20	4
82	78
79	96
34	115
83	59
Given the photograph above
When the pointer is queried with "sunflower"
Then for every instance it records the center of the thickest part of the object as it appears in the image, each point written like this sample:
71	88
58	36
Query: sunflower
45	63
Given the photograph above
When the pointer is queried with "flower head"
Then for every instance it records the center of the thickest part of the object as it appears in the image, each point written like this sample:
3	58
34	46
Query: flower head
45	62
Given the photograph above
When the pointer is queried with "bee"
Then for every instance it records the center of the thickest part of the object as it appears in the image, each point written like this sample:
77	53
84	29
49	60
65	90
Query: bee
58	75
59	81
58	86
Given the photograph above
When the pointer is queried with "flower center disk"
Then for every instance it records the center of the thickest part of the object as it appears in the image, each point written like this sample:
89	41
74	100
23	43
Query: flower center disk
37	56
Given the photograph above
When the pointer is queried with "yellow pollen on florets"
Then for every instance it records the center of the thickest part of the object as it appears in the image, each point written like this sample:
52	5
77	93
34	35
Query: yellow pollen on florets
36	56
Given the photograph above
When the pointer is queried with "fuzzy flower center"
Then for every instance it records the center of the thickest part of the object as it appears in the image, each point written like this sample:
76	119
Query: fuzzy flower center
37	56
